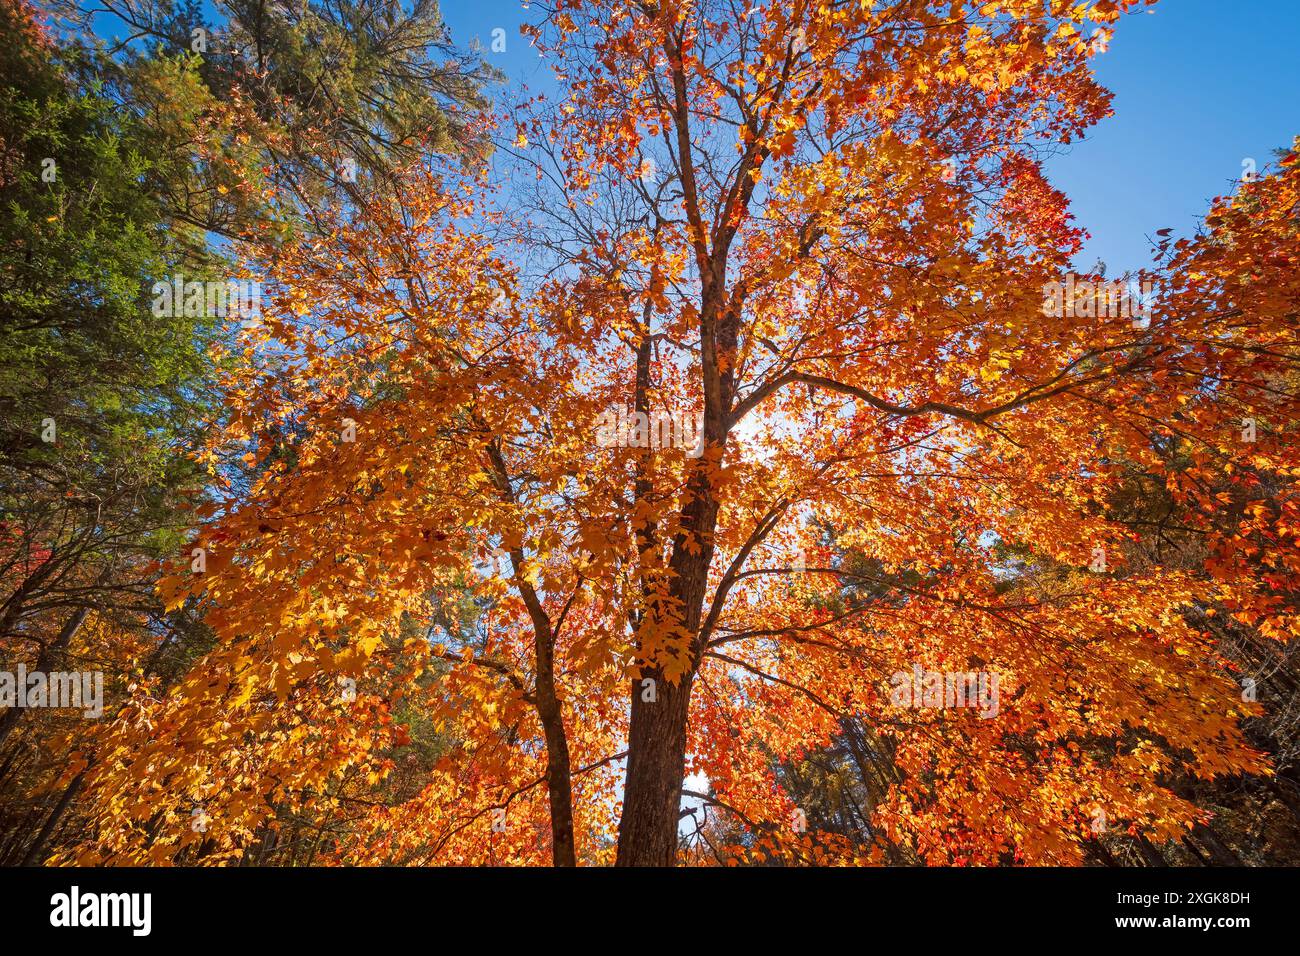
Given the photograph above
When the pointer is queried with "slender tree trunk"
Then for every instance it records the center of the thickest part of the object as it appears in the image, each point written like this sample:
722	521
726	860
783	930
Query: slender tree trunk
1220	852
37	850
1150	853
1097	850
549	711
558	782
9	720
10	759
1195	851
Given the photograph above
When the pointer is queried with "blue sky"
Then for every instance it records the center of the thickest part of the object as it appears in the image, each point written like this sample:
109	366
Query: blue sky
1200	85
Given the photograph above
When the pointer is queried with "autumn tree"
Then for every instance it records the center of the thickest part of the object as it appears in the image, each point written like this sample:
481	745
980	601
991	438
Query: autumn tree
850	244
126	163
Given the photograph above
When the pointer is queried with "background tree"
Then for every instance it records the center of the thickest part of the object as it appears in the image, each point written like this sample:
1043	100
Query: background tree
298	105
126	165
98	396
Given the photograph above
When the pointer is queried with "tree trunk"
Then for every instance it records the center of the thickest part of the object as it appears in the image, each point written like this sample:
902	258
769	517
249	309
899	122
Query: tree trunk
656	747
1220	852
9	720
549	711
37	849
1150	853
1097	850
656	765
656	761
558	783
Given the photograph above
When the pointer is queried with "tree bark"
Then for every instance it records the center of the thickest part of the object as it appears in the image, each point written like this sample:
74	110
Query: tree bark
558	774
656	764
